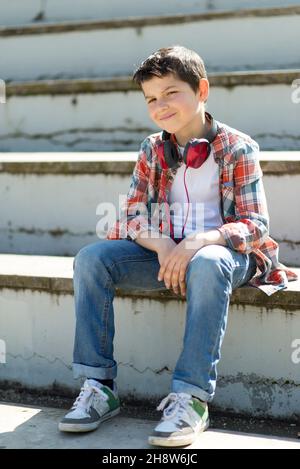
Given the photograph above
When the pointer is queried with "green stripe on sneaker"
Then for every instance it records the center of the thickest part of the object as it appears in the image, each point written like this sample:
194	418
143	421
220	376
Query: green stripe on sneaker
113	402
201	409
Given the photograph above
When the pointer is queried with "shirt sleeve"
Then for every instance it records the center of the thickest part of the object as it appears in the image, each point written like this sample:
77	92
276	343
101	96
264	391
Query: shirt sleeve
134	216
251	226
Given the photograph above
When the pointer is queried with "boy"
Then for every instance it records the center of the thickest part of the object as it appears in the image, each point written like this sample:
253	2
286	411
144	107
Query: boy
142	250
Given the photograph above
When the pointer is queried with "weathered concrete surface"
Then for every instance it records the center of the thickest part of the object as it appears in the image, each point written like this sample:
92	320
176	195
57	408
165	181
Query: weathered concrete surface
259	373
124	84
36	428
116	23
65	219
275	163
111	114
132	40
54	274
40	11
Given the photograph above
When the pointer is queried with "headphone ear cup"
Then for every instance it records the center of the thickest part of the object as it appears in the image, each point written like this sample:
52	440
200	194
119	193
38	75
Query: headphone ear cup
170	154
196	153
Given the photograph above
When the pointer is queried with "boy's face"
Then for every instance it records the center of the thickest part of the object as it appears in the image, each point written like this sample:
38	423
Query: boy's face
174	106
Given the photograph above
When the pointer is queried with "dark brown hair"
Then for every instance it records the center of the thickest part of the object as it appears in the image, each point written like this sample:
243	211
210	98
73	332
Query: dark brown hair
184	63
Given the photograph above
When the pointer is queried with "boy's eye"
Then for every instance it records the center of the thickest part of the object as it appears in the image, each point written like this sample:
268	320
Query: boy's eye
170	92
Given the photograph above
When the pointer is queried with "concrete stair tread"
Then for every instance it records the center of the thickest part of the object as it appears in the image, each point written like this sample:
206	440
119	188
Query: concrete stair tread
36	427
35	12
52	157
55	27
81	113
54	274
259	354
50	57
120	162
125	83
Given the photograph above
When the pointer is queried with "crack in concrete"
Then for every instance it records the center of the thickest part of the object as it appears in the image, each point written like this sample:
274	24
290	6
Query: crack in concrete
287	241
283	135
36	355
55	140
77	130
148	368
55	233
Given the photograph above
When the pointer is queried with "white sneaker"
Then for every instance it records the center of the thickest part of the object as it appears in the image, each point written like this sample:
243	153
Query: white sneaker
182	421
94	404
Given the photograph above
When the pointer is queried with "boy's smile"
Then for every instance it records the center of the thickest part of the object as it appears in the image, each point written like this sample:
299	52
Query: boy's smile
175	107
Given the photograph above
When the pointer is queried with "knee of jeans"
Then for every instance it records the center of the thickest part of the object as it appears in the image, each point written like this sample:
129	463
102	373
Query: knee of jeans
84	260
210	264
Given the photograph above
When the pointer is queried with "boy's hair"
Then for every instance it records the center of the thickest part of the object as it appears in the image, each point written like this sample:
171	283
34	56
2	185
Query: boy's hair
184	63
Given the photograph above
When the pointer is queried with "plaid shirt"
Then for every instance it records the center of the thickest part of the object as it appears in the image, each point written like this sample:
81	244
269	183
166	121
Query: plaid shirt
242	203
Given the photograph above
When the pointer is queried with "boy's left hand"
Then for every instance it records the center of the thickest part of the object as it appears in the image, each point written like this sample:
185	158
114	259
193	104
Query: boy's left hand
173	269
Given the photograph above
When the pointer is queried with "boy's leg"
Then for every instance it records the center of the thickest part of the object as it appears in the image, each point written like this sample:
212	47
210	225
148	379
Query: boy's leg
211	276
98	268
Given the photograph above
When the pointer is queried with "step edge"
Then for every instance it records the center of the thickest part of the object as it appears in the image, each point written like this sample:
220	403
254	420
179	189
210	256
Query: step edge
125	83
139	22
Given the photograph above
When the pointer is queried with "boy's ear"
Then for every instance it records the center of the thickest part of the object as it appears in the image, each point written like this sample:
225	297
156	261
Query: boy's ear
203	89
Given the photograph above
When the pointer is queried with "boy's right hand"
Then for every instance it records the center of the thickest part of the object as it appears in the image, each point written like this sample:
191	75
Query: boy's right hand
166	245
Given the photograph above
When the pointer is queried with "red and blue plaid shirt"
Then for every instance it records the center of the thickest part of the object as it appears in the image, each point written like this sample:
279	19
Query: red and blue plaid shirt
242	202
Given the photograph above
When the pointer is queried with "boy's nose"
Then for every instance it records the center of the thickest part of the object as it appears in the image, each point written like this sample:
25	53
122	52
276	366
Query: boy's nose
162	109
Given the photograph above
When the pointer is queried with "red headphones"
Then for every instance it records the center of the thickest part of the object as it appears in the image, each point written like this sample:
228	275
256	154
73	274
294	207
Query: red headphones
196	152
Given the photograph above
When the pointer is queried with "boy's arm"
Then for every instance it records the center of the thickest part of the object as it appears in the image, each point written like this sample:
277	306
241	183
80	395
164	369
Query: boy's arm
134	217
134	220
200	239
251	227
157	243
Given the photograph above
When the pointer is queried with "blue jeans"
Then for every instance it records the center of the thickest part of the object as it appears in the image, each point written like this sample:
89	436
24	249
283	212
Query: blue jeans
212	273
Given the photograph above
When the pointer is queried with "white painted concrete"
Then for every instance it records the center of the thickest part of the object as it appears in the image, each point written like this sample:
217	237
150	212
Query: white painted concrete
56	214
13	12
282	196
36	428
257	373
119	121
86	53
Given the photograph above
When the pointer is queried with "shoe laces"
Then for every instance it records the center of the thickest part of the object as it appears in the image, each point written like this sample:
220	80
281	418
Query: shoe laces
85	398
177	404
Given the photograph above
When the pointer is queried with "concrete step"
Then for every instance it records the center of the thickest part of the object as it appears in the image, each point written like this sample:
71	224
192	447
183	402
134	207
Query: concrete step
105	48
34	427
68	188
98	114
40	11
259	373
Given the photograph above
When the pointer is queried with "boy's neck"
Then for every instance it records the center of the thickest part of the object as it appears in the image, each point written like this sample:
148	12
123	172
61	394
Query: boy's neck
203	126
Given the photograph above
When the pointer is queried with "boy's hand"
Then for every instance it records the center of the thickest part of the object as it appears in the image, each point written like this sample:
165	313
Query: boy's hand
165	248
174	264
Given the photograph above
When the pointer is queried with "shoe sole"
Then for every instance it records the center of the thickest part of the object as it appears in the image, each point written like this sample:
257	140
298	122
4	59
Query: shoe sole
86	427
176	441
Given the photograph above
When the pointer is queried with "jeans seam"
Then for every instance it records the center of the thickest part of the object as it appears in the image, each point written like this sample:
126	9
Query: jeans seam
225	313
105	315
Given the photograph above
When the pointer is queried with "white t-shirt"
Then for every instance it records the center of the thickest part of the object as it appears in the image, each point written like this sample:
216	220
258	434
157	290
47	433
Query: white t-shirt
203	189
